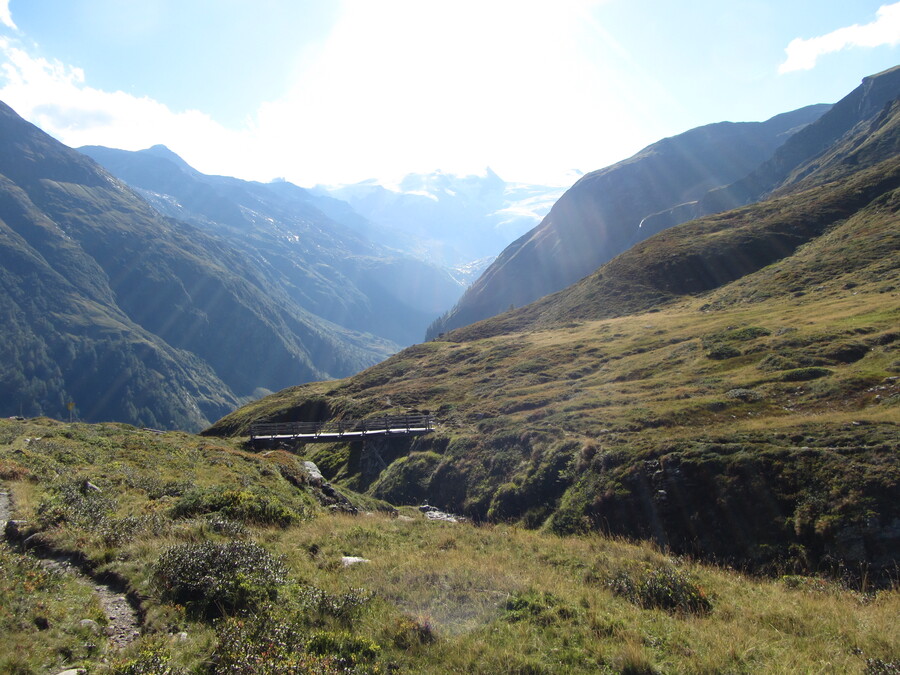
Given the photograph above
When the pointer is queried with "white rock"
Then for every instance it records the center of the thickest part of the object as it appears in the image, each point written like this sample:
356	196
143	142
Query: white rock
315	476
349	560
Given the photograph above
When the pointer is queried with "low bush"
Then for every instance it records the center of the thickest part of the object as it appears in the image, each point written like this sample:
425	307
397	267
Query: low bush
259	645
772	362
117	531
154	486
343	607
349	650
881	667
212	579
74	501
746	333
720	352
267	644
663	588
12	470
219	524
542	608
152	659
239	505
745	395
409	632
804	374
845	351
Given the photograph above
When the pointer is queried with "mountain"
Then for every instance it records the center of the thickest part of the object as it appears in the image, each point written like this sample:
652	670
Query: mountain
603	213
453	220
798	157
132	316
329	268
726	388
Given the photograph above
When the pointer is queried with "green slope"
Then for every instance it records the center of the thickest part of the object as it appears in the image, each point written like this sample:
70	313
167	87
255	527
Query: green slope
235	563
728	387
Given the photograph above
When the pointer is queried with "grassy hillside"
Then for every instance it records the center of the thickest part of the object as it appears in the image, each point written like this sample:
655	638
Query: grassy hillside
728	387
237	566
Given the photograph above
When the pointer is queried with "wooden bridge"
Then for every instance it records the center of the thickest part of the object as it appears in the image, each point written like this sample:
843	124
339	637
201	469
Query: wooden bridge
342	430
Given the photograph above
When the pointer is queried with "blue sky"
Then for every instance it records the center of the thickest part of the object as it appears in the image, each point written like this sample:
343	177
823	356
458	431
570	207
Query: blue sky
339	91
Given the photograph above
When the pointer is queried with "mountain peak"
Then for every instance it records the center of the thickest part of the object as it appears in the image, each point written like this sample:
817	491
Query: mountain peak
164	152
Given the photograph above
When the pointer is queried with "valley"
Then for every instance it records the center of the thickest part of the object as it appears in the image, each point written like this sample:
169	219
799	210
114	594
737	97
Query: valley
674	449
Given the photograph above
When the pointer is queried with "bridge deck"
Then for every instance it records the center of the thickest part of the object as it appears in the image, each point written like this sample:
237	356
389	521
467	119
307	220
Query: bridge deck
331	431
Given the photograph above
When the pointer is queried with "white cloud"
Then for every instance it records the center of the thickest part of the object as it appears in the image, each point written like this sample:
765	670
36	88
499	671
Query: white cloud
406	85
55	97
398	86
5	15
802	54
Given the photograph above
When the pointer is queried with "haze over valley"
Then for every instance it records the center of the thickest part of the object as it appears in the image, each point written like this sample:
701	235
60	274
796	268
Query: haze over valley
432	337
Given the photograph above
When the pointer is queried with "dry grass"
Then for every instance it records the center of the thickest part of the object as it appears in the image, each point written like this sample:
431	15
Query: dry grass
447	597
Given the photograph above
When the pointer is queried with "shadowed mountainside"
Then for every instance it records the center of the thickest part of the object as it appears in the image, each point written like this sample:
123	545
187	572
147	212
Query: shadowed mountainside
133	316
327	268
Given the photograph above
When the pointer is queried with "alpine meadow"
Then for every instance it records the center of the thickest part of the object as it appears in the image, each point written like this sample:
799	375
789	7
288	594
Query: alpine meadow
652	425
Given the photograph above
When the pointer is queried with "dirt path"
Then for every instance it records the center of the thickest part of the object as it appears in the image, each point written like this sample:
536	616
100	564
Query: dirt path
124	622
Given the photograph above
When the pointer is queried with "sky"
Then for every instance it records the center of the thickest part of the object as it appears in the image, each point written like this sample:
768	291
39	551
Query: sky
338	91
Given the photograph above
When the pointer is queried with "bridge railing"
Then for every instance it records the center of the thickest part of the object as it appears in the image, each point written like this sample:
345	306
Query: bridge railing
386	423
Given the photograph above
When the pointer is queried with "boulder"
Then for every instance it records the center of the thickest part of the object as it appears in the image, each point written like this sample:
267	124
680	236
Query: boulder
313	474
350	560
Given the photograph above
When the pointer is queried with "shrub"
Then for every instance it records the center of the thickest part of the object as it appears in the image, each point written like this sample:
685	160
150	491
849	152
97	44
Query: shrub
240	505
773	362
74	501
12	470
219	524
747	333
116	531
804	374
266	644
154	486
663	588
845	352
343	607
350	650
247	646
745	395
880	667
411	632
540	608
150	660
721	352
212	579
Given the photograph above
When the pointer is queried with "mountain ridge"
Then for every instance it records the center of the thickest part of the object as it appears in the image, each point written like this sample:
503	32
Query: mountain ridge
604	212
330	269
189	297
